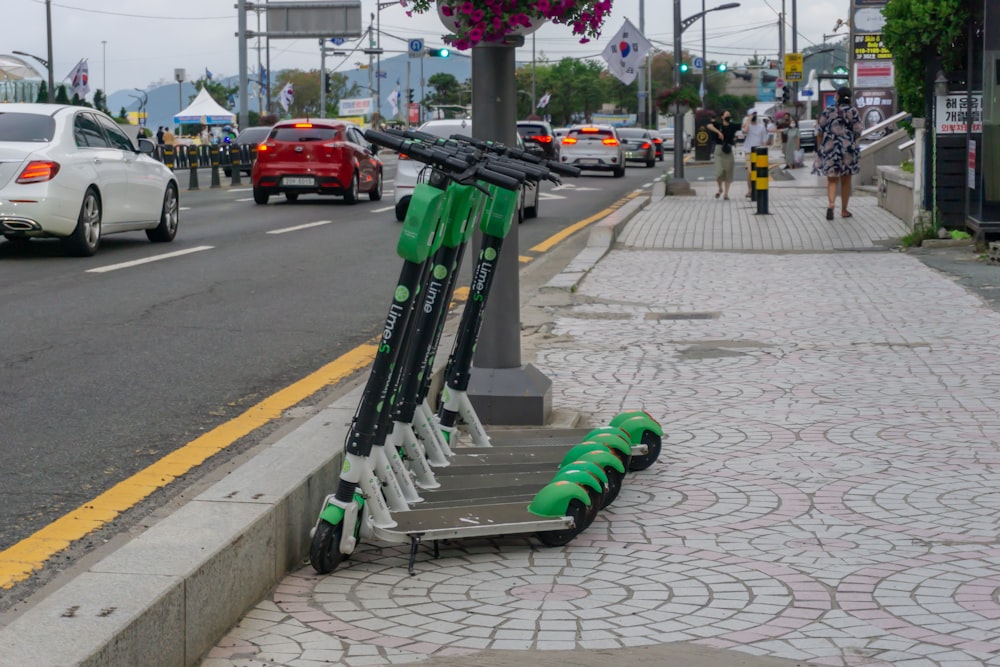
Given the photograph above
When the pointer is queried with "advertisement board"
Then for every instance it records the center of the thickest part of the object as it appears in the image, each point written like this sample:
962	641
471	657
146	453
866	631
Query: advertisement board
950	113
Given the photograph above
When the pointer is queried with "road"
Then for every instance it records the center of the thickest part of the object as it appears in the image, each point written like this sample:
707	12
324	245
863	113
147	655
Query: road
112	362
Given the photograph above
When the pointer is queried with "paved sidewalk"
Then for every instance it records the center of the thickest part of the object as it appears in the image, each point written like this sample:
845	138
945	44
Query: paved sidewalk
826	493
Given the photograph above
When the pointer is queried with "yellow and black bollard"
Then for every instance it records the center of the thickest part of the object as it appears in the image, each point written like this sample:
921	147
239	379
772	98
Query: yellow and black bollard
193	163
213	154
168	156
234	163
760	160
752	169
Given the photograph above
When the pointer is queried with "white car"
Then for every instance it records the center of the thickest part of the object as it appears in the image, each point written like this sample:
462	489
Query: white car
71	173
408	171
594	147
668	140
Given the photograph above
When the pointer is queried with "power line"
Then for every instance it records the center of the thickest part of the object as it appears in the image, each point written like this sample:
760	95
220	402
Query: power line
139	16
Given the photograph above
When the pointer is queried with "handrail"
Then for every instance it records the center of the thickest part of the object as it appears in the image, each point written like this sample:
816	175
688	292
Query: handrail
906	145
884	125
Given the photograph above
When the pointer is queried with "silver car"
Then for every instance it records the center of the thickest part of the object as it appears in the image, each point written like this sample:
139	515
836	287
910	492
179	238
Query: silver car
71	173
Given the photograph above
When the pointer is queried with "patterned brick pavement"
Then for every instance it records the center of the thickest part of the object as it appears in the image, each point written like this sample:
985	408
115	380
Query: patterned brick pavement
827	490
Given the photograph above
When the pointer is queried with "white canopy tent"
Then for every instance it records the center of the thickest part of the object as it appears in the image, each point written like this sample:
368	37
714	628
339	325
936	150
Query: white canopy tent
206	111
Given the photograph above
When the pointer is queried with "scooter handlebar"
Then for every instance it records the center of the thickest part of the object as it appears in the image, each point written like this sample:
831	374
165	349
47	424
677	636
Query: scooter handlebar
498	179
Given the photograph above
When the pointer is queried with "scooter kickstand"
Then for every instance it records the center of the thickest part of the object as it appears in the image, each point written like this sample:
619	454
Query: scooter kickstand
414	545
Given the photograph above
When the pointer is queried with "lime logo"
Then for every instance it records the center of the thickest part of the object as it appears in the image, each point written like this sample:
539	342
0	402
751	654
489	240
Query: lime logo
490	254
346	468
402	293
440	272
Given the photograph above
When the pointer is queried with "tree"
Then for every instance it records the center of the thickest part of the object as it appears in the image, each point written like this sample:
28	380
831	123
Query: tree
101	101
43	93
219	92
306	86
445	91
918	30
62	97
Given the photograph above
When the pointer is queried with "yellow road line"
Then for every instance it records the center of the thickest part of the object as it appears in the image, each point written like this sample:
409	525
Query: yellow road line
20	560
558	237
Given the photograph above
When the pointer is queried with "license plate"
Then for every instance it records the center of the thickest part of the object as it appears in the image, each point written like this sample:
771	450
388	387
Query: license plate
298	180
588	160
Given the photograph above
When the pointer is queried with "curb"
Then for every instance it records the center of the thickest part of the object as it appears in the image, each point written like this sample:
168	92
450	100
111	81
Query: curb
602	237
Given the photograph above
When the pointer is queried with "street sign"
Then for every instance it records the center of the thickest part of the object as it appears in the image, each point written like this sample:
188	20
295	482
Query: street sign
338	40
699	63
807	92
779	83
793	66
416	47
843	81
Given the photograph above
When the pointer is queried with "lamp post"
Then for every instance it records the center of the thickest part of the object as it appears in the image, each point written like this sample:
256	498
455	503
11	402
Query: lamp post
104	67
678	185
179	75
143	101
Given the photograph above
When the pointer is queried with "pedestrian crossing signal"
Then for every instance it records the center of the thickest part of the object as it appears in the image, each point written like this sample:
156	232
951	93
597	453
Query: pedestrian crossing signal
786	95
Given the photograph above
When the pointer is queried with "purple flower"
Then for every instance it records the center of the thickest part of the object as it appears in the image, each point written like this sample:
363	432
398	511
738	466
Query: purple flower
468	7
447	10
477	16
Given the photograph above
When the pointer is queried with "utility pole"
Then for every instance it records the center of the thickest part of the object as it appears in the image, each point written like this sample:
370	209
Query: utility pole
641	107
704	60
795	49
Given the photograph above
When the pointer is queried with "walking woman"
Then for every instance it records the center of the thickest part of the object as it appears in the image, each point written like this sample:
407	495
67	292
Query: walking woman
837	154
725	163
792	145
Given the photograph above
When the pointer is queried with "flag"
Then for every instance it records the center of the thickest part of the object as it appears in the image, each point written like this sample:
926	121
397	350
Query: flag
544	102
208	75
625	51
262	78
287	96
232	101
79	80
393	101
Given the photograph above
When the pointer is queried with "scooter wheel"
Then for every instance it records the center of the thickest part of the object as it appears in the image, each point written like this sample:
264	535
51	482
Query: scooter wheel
615	480
653	444
557	538
324	552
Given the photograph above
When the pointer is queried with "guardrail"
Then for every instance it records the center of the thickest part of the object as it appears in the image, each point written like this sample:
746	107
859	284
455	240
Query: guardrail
183	156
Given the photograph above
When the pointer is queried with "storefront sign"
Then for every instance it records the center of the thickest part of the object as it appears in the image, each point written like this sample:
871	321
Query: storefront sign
874	73
950	113
869	19
870	47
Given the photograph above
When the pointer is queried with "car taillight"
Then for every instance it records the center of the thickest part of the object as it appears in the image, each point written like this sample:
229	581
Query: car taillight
610	141
657	141
645	146
262	148
404	156
542	139
569	140
38	171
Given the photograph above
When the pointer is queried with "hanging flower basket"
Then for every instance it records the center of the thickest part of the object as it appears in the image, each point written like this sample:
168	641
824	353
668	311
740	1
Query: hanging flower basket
678	100
474	21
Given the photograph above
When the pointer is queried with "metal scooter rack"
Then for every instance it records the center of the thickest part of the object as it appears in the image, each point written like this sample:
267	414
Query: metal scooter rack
378	489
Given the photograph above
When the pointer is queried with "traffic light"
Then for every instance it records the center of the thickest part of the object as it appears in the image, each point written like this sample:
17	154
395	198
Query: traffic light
684	68
438	53
723	67
786	95
327	82
409	95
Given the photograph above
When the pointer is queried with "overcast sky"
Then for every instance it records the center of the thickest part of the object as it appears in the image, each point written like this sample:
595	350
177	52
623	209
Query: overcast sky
134	45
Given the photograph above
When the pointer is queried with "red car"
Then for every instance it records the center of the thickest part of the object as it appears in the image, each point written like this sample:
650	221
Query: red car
322	156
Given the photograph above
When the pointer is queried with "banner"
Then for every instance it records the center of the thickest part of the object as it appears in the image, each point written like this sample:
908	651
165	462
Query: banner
625	52
358	106
393	101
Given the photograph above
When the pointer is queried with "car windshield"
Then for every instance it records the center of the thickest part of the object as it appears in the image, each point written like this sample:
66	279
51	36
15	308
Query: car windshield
445	130
26	127
253	136
632	134
316	133
531	130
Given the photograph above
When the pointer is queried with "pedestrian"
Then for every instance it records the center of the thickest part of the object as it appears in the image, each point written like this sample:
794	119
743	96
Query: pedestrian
837	154
159	135
755	134
205	137
722	155
792	145
168	137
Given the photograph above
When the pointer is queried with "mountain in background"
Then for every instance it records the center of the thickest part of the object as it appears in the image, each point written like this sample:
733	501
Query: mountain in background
162	101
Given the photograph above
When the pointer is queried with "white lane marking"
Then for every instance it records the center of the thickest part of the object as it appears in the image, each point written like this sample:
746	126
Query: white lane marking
383	209
240	189
570	186
296	228
184	208
245	199
549	196
147	260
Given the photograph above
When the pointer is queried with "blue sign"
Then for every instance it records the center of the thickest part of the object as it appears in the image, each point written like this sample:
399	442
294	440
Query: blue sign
381	75
416	46
338	40
699	63
807	92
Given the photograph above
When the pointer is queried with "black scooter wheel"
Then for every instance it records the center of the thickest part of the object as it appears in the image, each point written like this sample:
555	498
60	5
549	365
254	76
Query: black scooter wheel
653	444
558	538
615	480
324	552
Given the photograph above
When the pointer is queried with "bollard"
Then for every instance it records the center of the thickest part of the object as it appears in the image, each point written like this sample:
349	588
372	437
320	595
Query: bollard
752	169
234	164
213	156
168	156
760	158
193	161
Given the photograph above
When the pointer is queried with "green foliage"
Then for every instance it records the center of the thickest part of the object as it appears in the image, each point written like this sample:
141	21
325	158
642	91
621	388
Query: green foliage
219	92
43	93
62	97
907	166
918	29
959	235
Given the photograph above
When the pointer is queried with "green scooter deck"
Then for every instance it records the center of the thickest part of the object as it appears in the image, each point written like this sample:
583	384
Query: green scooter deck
440	523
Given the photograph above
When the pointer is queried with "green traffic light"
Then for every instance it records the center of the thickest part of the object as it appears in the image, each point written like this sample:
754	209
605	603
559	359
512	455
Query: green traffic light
723	67
438	53
684	67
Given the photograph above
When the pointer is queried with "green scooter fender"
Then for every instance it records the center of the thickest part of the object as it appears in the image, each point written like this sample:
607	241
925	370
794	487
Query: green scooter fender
579	450
614	441
605	459
589	467
554	498
334	514
579	476
635	422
